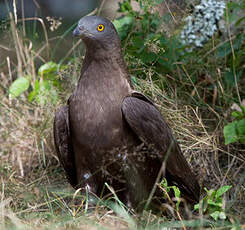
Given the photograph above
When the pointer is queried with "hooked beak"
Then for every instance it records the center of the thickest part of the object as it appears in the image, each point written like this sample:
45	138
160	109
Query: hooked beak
76	32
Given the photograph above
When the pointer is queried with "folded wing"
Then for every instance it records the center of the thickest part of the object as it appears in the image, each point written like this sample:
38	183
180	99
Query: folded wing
148	124
63	143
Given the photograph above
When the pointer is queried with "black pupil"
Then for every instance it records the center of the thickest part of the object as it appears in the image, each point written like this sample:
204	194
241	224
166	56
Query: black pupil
100	27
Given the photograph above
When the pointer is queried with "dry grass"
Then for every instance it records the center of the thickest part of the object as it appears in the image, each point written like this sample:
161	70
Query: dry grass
34	192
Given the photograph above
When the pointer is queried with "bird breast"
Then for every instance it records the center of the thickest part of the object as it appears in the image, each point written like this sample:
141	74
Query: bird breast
95	110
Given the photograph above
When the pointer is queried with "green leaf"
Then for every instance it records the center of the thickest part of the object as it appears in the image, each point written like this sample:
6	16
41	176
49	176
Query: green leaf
218	215
123	25
158	1
19	86
233	5
47	68
211	193
177	195
222	190
176	191
230	78
148	57
215	215
133	80
239	21
215	203
138	43
241	130
230	133
125	6
196	206
243	109
238	115
34	92
164	184
226	49
222	216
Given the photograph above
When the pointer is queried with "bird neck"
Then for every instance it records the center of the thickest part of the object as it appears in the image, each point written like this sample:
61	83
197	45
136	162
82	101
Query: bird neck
99	53
110	61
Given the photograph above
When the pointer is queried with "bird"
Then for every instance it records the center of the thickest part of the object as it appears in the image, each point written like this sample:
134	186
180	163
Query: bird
110	134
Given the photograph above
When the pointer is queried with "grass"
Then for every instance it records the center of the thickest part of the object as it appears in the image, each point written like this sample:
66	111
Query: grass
34	192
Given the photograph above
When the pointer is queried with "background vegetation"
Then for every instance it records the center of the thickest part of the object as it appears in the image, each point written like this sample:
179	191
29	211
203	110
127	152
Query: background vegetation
201	93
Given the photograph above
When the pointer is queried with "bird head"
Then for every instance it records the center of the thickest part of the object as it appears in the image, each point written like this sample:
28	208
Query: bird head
97	32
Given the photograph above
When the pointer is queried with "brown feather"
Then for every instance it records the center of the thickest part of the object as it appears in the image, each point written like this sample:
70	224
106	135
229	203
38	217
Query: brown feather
149	125
63	143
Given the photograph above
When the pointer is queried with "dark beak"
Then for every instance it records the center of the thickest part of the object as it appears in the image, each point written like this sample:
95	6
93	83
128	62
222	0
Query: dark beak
76	32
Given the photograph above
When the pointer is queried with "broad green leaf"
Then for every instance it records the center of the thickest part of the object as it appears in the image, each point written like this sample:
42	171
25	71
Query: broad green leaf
176	191
222	216
237	114
31	96
34	92
177	195
49	67
123	25
196	206
215	215
215	203
230	133
222	190
19	86
241	130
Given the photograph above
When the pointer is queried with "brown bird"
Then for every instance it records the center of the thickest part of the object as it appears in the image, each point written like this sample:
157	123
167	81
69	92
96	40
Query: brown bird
109	133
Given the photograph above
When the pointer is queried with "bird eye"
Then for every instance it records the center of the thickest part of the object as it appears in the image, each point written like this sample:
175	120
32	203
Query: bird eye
100	27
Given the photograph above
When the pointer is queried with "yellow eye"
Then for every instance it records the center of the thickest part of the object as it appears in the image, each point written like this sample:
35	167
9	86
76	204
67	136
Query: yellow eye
100	27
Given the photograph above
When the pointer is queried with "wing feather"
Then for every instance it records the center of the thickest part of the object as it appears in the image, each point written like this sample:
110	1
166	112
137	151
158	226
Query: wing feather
149	125
63	143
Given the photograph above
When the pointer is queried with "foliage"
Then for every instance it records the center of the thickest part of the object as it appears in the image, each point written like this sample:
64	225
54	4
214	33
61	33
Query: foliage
148	47
166	188
20	85
123	25
236	7
213	203
44	88
145	44
235	131
149	50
